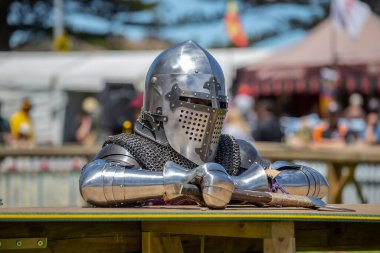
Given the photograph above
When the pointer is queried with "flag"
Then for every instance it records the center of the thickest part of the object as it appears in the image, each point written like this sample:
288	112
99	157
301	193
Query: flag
234	28
349	15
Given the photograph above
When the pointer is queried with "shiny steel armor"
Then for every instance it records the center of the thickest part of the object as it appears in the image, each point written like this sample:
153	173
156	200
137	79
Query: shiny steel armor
184	107
185	102
105	183
300	180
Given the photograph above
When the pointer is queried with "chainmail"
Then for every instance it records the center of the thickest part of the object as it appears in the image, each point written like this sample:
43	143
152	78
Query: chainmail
228	154
153	156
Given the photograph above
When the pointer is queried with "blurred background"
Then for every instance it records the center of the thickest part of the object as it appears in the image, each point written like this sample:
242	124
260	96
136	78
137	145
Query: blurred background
302	73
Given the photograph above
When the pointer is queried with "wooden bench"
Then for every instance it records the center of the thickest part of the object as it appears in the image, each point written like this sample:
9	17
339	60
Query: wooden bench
188	229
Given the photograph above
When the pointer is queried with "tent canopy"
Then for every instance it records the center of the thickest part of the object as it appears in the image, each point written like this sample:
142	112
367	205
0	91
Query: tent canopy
88	71
298	68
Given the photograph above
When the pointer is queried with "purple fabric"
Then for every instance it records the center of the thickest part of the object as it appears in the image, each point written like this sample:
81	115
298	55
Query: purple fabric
276	186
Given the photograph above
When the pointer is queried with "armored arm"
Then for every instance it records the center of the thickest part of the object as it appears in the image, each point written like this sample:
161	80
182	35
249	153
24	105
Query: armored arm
280	176
102	180
114	178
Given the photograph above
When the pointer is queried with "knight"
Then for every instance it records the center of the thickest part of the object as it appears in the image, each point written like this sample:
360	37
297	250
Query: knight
178	141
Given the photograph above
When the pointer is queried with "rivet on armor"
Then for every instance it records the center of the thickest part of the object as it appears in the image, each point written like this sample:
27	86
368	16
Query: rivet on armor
153	80
196	71
181	103
194	106
212	97
195	93
169	95
40	243
207	96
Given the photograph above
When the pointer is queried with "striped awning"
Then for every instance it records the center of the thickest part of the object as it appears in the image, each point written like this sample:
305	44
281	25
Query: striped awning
312	84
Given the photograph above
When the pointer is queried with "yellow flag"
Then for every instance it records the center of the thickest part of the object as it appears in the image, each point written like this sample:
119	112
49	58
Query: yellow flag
62	43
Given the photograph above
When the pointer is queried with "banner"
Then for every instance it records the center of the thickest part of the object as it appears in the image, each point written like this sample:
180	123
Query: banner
234	28
349	15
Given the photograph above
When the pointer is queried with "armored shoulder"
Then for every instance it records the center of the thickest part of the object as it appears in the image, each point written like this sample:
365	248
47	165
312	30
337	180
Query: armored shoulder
114	152
250	155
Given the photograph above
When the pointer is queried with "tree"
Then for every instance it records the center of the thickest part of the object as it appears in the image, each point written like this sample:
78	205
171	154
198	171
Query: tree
33	18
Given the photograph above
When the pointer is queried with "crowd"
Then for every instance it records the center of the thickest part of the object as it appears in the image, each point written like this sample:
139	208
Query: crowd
250	119
339	126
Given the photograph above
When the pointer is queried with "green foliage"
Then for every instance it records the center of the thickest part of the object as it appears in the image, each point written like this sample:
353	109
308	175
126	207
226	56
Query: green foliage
34	17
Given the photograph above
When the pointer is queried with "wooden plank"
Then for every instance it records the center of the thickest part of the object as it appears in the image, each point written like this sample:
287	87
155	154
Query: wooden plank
363	213
146	242
127	236
243	229
354	153
268	150
78	236
151	243
336	236
172	244
69	150
282	238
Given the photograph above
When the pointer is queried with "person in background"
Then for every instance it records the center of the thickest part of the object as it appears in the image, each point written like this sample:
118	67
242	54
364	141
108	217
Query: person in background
5	135
267	127
355	116
235	125
21	123
88	131
331	131
372	132
135	104
245	103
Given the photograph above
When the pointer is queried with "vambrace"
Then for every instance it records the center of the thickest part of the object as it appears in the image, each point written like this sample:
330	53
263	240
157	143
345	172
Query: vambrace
297	179
105	183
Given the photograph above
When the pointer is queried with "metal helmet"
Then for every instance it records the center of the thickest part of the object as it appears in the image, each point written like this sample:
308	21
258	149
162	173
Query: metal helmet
185	102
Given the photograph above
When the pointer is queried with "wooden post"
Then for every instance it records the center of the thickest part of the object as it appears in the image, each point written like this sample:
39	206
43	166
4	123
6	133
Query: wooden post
151	243
282	239
172	244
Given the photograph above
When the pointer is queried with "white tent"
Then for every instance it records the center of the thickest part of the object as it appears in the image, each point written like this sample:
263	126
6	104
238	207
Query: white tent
46	76
89	70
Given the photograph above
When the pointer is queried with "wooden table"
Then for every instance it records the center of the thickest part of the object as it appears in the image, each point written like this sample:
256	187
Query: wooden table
188	229
341	162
